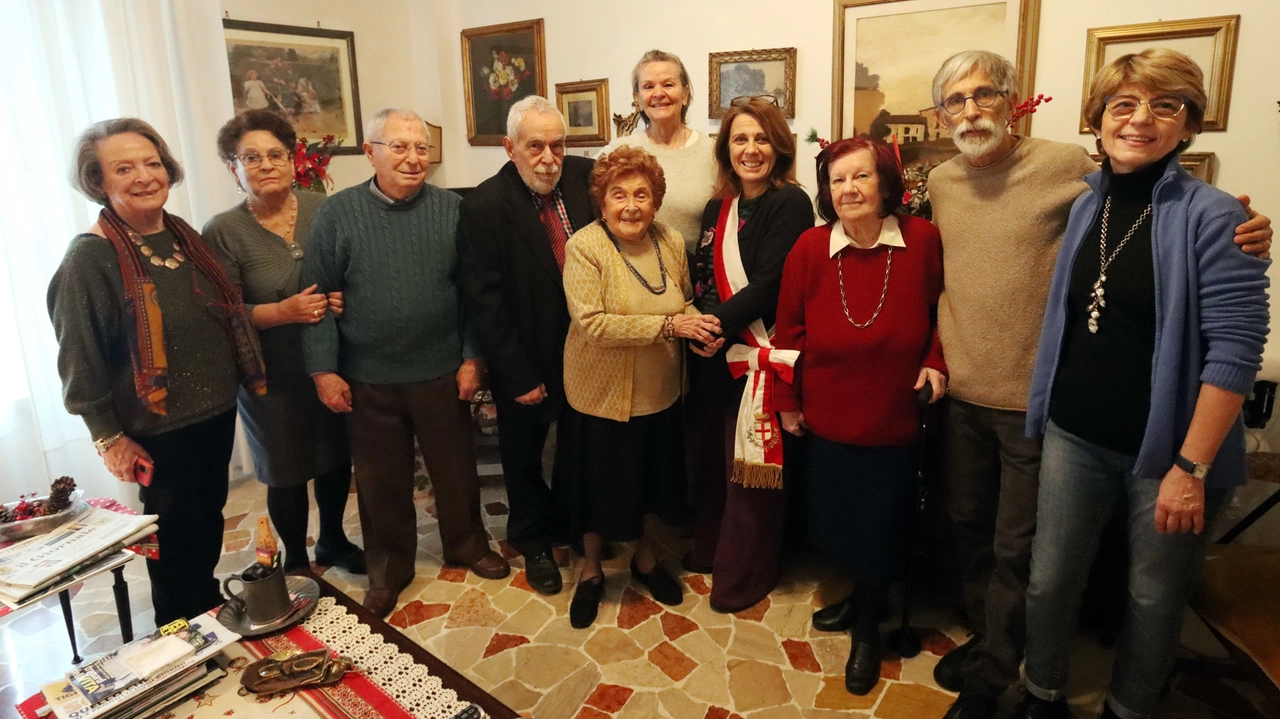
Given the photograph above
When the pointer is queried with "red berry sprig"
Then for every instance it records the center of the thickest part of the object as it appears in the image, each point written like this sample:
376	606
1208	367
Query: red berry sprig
1027	108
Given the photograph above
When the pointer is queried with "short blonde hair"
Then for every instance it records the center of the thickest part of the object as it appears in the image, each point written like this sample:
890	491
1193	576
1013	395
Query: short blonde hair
662	56
1160	70
626	160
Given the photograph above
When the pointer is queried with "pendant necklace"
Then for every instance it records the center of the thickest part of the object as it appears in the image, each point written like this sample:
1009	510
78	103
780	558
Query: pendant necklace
1099	292
294	250
171	262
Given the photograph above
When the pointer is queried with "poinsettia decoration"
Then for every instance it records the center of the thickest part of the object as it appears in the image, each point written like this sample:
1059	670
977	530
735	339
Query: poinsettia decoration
505	73
311	163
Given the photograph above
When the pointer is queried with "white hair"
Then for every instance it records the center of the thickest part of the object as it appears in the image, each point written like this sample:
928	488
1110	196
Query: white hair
997	68
532	103
374	126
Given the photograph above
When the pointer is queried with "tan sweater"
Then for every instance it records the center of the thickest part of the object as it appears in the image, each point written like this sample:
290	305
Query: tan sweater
1001	227
616	364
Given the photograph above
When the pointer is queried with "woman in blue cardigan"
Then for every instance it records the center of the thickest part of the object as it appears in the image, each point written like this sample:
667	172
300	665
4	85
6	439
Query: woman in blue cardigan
1152	337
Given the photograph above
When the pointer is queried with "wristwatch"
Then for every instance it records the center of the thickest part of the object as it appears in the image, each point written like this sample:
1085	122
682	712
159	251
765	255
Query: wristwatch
1199	470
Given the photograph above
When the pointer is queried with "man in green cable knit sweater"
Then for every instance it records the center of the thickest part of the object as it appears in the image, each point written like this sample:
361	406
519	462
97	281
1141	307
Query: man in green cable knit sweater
401	361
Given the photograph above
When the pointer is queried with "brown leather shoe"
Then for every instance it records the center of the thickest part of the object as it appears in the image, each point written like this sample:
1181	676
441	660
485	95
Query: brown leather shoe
380	602
491	566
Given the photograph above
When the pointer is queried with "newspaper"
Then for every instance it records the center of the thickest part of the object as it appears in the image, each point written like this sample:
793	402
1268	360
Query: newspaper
35	561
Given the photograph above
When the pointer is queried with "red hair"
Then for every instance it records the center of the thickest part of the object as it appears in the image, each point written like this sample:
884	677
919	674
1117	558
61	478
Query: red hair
888	172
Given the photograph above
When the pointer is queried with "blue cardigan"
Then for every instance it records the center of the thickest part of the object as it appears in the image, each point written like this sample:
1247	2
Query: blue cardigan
1211	316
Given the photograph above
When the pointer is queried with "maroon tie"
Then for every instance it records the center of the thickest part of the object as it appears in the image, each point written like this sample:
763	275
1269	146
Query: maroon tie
555	229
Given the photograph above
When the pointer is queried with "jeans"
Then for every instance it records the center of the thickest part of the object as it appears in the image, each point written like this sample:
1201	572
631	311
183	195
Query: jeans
1080	486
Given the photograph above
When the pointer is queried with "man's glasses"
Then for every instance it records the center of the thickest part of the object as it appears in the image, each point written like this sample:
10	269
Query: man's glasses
1165	107
253	160
983	97
400	149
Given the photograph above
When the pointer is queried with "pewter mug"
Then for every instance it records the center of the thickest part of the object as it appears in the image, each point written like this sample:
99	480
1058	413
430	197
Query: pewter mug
264	600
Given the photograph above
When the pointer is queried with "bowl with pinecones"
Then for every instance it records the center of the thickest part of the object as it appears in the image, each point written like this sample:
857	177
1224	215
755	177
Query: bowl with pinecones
34	515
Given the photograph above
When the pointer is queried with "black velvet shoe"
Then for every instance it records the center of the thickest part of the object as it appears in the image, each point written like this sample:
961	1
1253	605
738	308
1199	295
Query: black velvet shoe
972	705
351	559
586	602
1033	707
949	671
543	573
660	584
862	671
838	617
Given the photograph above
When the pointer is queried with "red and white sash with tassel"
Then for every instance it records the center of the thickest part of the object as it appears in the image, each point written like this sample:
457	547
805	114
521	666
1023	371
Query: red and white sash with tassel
757	447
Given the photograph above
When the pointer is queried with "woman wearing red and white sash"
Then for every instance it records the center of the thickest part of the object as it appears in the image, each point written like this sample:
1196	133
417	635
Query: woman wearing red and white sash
859	302
747	231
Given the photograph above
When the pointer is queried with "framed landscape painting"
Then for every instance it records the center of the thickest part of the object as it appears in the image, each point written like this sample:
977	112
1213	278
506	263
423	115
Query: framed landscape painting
752	72
585	106
306	74
501	64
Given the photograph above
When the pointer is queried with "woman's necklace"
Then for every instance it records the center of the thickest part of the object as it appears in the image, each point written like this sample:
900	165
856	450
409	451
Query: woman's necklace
844	303
294	250
662	267
1104	262
171	262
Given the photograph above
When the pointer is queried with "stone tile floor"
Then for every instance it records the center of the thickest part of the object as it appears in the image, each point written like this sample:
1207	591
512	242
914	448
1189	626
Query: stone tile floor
639	660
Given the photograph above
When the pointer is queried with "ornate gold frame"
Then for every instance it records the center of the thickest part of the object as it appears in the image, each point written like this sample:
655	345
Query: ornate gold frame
540	53
437	142
1224	30
1025	60
786	54
1200	165
601	89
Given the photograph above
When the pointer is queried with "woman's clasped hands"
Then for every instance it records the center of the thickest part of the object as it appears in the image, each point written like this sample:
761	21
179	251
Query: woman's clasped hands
700	328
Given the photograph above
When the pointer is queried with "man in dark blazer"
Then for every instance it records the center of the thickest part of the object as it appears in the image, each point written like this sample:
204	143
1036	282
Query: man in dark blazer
511	239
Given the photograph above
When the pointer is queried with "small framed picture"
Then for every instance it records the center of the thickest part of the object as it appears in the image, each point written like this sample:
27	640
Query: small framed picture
585	106
501	64
753	72
437	139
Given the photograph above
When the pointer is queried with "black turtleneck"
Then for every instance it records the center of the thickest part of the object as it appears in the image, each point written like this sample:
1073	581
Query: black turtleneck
1102	391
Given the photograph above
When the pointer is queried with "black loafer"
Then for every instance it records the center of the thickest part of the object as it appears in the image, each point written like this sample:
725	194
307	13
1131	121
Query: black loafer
862	671
660	584
350	559
543	573
972	705
586	602
838	617
1033	707
949	671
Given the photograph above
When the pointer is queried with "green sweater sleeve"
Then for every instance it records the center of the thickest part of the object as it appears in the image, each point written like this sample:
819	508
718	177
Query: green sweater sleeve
323	267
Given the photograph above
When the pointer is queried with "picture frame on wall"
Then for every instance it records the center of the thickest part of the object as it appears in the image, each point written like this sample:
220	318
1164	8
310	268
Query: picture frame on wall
1210	41
501	65
886	53
749	73
437	140
585	106
306	74
1200	165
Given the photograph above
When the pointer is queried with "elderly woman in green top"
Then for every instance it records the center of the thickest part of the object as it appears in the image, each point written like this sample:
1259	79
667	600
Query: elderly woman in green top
152	343
293	437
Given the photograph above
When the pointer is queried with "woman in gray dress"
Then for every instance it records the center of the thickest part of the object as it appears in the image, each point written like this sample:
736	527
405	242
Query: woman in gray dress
292	436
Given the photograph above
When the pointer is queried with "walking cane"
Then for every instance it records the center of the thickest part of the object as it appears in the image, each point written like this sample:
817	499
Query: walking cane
903	640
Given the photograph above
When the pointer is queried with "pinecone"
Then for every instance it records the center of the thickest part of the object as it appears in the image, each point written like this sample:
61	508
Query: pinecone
59	495
6	515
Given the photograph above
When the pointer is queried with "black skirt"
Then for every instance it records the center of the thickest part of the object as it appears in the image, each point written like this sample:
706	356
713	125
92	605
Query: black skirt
610	474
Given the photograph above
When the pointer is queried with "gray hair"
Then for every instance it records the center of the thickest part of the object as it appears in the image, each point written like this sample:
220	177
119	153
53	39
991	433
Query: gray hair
661	56
373	126
534	104
997	68
86	168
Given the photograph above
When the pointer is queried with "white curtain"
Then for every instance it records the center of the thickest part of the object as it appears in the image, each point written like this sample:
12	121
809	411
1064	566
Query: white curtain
70	63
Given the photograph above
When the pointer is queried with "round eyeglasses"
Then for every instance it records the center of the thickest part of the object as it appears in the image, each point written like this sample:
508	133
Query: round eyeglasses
983	97
1165	107
400	149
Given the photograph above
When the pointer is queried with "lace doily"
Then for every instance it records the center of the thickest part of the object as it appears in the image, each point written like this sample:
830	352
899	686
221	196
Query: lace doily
409	683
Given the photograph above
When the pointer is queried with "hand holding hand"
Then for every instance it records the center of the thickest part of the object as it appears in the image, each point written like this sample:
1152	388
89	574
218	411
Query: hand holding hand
333	391
120	457
1180	504
468	379
1254	236
697	327
335	303
305	307
793	422
934	378
534	396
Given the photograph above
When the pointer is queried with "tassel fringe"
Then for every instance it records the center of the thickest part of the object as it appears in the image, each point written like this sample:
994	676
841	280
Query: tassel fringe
757	476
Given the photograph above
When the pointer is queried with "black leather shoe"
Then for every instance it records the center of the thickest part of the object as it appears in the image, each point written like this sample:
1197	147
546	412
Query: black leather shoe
862	671
972	705
586	602
543	573
1033	707
351	559
660	584
836	617
691	566
949	671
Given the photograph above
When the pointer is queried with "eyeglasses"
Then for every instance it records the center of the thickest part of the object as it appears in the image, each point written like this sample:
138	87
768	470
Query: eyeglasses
1165	107
983	97
744	99
253	160
400	149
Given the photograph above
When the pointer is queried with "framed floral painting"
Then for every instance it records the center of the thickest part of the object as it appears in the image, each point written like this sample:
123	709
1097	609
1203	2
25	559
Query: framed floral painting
501	64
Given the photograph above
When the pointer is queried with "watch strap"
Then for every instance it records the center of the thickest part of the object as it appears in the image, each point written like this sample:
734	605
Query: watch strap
1199	470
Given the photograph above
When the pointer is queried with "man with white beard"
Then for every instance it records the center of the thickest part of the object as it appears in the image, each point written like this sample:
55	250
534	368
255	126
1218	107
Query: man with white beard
1001	206
511	241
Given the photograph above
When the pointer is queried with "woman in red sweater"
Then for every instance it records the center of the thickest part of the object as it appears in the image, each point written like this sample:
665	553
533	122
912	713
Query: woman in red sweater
859	301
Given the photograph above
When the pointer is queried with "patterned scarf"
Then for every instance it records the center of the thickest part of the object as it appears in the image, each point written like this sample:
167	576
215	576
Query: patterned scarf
146	335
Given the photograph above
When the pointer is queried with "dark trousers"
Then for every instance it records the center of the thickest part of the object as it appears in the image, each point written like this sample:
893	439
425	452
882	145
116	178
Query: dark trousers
992	478
187	492
533	517
384	420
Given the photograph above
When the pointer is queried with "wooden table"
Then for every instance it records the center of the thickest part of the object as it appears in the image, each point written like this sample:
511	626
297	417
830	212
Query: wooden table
450	678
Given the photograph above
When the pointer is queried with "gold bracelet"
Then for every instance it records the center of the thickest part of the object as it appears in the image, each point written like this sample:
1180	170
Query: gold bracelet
669	328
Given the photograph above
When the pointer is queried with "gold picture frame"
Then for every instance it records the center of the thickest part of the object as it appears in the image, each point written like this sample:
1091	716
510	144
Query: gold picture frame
585	106
501	64
924	61
1200	165
437	141
1211	39
752	72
